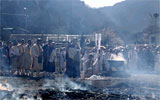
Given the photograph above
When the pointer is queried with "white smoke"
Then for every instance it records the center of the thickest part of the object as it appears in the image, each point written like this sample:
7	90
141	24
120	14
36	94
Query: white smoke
63	84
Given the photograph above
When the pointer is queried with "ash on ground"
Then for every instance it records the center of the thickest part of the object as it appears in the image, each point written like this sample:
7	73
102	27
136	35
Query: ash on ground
137	87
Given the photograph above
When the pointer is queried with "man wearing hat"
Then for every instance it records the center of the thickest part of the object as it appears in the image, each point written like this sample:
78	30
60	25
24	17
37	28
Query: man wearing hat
73	60
15	54
37	54
27	56
47	65
21	57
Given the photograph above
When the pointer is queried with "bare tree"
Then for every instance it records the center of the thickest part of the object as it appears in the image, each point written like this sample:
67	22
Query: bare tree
109	38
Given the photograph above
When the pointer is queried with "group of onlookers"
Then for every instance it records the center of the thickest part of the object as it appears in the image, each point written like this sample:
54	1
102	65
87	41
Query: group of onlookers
74	61
144	58
20	56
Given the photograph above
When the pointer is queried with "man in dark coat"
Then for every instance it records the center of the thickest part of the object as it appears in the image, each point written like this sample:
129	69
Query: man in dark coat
48	48
6	57
73	60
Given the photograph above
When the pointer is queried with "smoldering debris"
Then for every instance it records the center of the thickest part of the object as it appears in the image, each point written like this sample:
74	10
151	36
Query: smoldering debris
49	94
64	84
75	89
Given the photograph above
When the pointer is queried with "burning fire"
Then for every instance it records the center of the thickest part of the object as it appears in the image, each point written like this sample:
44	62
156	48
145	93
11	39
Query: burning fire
118	57
2	88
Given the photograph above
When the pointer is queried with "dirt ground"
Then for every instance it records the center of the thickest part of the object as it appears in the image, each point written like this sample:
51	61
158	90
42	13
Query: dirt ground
145	86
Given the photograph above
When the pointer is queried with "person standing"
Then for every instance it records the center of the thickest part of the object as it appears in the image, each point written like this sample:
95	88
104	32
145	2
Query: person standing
150	60
157	62
56	55
37	54
48	48
103	61
59	59
27	56
73	60
14	54
133	59
89	66
1	56
21	57
6	55
62	60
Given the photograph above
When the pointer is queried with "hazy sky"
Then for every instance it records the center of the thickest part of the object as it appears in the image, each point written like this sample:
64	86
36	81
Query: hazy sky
101	3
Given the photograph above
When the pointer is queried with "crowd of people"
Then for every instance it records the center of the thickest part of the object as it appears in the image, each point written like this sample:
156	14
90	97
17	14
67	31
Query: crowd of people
21	57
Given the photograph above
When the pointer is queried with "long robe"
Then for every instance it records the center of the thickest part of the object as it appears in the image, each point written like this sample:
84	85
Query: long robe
21	57
132	61
6	57
47	65
103	64
59	59
28	60
63	60
36	52
89	68
14	54
1	58
56	59
157	63
73	62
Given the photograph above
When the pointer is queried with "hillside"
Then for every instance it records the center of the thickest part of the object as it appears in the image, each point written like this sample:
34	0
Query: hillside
52	16
131	15
74	17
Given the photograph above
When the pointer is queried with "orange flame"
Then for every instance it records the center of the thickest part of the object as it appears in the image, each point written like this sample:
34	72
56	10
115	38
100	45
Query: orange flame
2	88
